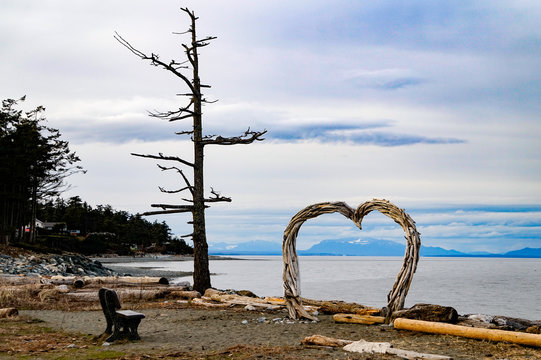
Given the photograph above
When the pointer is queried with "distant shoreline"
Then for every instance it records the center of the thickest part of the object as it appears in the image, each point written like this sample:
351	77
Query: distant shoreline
115	263
153	257
300	254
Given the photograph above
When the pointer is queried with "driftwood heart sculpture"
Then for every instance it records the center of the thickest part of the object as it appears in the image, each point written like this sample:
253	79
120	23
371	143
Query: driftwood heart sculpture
396	297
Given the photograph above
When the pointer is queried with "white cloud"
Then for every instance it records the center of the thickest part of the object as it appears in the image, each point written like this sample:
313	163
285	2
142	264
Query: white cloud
453	88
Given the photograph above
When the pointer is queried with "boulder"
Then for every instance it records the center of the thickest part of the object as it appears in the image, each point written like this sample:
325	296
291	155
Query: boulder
428	312
510	323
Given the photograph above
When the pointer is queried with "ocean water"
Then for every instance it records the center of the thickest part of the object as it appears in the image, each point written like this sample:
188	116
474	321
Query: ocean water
494	286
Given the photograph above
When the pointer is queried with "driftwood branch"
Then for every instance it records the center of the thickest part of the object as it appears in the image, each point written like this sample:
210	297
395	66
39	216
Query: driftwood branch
160	156
247	138
291	276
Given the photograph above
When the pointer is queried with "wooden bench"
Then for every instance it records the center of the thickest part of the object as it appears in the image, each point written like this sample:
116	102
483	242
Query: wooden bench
120	323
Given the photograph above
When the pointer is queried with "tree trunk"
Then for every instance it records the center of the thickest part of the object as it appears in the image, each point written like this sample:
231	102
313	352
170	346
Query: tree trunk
196	205
201	274
33	213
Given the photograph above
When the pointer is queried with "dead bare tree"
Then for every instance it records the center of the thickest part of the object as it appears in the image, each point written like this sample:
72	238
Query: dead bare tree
196	204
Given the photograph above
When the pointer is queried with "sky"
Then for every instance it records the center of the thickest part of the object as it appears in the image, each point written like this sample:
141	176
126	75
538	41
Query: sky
433	105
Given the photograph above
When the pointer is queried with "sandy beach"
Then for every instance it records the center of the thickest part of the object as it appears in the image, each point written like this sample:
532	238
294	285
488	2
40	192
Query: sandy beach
185	331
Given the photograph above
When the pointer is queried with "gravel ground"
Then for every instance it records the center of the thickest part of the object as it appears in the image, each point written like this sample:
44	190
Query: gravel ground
194	332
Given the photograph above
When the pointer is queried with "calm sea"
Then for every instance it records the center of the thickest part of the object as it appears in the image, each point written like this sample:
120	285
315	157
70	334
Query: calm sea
510	287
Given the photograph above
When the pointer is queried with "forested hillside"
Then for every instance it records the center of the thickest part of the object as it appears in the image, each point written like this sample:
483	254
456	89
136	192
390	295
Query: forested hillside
103	229
34	164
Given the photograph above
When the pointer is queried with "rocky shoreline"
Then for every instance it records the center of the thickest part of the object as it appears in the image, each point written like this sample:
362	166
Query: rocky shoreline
79	265
51	265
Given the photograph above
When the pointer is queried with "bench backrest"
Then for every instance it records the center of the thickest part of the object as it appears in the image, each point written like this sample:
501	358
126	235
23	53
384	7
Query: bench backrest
110	303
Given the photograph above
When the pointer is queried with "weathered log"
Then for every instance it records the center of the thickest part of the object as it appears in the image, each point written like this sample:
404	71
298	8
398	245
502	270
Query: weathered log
219	296
363	346
428	312
468	332
19	280
321	340
184	294
8	312
69	280
204	302
358	319
341	307
535	329
234	299
148	294
275	300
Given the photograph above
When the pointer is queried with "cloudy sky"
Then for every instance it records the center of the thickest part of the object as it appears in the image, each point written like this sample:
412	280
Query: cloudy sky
433	105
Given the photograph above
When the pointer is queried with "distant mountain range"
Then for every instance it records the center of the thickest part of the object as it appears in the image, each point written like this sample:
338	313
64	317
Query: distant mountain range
356	247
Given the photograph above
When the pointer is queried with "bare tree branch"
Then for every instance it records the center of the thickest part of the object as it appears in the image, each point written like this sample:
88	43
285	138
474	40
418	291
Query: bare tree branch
217	197
149	213
189	186
181	113
247	138
160	156
176	207
163	190
154	60
184	132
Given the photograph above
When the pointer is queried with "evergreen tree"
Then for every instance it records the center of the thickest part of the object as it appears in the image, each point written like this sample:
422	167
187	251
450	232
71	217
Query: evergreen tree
34	162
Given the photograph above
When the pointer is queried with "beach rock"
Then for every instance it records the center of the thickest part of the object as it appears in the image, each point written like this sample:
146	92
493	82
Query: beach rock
481	317
185	285
246	293
50	265
509	323
428	312
62	289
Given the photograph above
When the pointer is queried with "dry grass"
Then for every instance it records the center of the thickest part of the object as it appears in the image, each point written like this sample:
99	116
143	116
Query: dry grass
22	336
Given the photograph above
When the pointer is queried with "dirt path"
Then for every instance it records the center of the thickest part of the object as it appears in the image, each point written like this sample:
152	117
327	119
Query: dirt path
194	332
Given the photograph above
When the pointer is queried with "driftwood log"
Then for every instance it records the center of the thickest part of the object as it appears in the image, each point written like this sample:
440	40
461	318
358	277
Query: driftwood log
363	346
148	294
235	299
358	319
291	274
8	312
468	332
79	282
321	340
330	307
